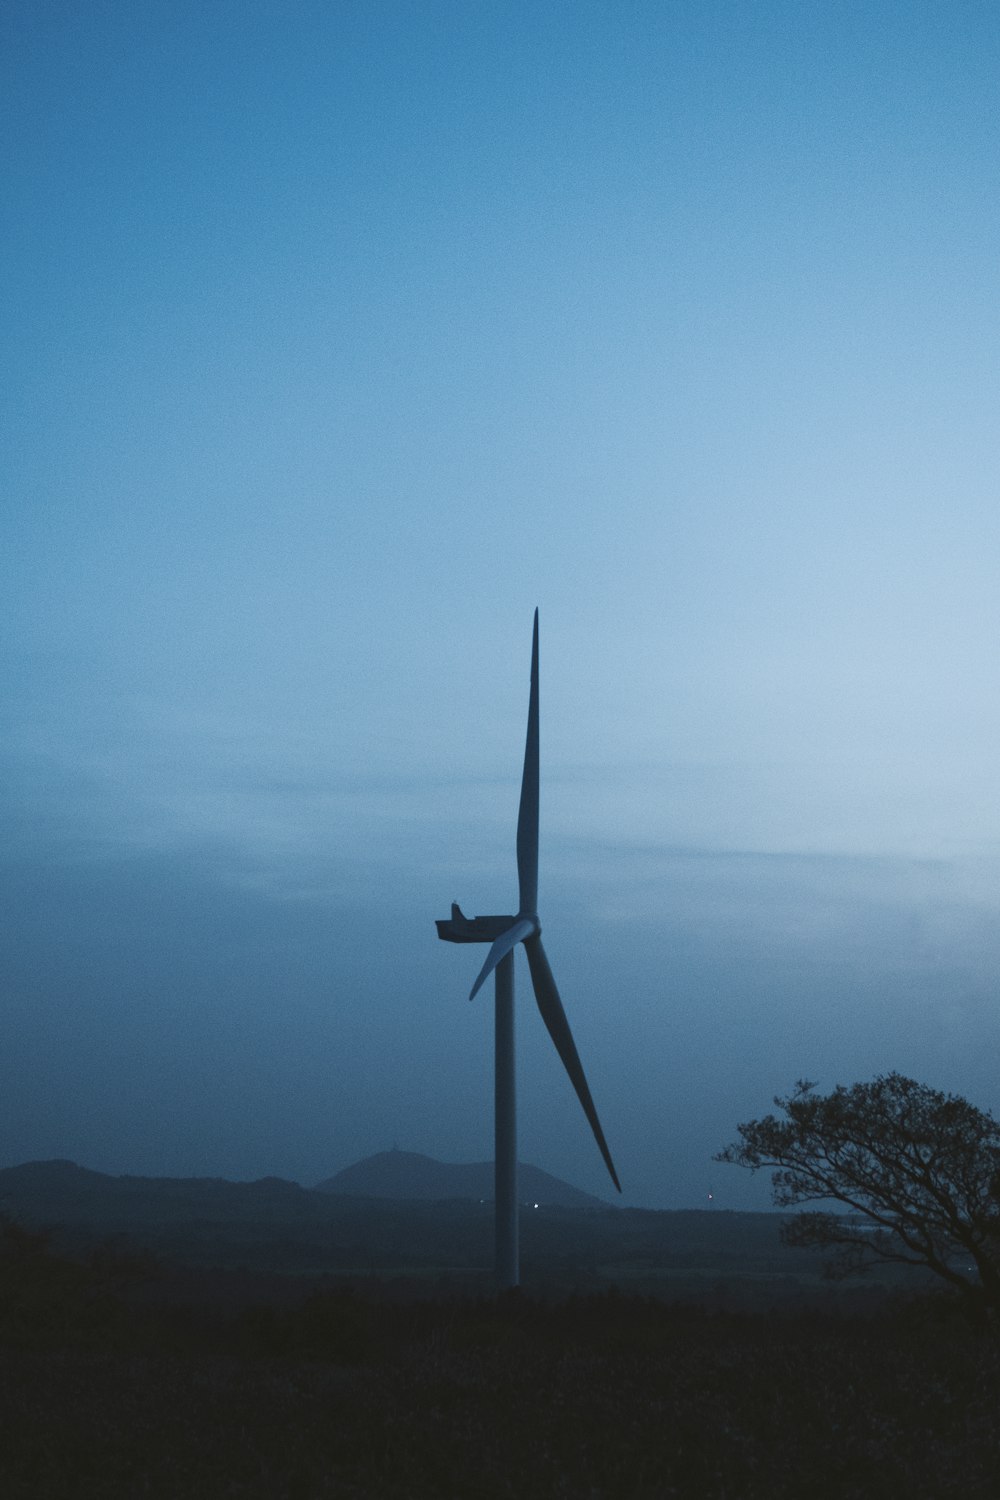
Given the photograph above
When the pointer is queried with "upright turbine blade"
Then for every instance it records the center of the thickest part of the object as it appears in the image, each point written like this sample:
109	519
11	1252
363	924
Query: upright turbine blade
527	816
504	944
554	1017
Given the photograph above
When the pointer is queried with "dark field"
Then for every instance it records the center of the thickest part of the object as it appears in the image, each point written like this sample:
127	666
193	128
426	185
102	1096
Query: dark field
121	1377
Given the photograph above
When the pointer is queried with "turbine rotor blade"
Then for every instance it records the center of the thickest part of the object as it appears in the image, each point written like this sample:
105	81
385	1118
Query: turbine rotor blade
527	814
554	1016
504	944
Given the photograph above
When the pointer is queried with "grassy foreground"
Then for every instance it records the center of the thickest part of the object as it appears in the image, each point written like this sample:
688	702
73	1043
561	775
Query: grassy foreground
108	1387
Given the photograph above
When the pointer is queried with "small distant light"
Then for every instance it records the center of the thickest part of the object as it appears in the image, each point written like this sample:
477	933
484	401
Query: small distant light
534	1205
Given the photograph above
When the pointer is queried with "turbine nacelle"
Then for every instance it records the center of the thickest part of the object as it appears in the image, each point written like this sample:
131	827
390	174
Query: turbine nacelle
462	929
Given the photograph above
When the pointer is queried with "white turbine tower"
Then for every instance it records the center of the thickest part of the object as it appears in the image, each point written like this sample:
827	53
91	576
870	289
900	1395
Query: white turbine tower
504	933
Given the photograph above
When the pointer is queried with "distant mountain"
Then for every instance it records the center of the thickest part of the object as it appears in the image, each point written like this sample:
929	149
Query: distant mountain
408	1175
63	1192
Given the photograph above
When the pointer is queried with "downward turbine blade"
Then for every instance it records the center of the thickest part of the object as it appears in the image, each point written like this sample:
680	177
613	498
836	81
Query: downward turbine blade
504	944
527	815
555	1020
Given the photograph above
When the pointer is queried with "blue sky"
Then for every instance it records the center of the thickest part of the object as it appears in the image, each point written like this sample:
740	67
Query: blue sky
339	336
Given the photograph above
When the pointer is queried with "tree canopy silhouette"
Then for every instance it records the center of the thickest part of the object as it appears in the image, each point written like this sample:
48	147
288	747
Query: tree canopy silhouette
920	1169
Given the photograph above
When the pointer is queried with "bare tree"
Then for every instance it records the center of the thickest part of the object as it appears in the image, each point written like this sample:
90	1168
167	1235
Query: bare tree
920	1169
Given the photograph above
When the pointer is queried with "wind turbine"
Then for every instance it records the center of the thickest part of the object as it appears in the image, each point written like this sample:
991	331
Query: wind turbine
504	934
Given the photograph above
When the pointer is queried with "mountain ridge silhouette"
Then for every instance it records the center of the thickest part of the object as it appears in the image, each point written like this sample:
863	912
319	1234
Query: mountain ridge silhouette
409	1175
64	1190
